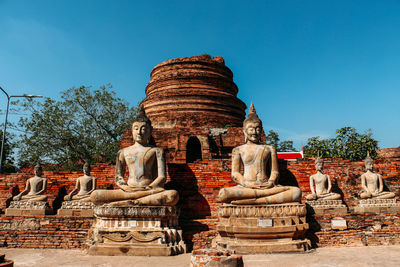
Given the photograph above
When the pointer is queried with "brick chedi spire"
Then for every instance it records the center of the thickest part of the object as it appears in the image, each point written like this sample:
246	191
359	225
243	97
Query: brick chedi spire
193	91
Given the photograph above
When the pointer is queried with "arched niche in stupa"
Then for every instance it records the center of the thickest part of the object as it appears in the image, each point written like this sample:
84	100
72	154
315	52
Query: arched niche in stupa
193	149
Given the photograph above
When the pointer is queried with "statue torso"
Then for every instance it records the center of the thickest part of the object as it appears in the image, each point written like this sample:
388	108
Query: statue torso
36	184
320	182
254	158
86	184
141	162
372	180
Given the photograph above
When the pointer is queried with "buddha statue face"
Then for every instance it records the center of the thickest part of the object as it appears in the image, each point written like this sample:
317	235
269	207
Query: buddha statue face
252	131
319	164
369	165
38	170
86	169
141	132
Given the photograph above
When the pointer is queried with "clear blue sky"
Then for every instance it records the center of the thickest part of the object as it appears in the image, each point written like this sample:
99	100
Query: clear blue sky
310	67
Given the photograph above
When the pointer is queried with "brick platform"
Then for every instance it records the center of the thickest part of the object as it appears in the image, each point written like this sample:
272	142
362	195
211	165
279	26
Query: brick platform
43	231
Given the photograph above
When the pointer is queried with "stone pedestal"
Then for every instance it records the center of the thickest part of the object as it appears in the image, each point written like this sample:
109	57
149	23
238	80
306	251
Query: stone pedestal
258	229
375	205
136	231
325	206
76	208
28	208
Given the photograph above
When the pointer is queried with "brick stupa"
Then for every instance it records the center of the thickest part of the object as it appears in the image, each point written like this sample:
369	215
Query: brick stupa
192	104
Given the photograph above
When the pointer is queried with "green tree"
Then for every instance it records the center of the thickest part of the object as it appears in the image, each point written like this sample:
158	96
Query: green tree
348	144
84	125
286	146
272	139
8	159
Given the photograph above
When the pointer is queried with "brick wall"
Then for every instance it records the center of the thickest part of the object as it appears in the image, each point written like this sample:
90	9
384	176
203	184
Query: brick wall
198	184
43	231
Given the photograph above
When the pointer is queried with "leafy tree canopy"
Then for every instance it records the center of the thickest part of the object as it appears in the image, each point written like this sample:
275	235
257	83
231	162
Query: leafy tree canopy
85	124
272	139
8	159
348	144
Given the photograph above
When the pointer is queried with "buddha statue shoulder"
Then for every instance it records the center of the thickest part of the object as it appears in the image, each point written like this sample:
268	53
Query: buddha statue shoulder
254	184
146	166
34	188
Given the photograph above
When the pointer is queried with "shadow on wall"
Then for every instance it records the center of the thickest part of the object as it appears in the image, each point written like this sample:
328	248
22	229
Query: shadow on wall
14	191
336	188
192	204
193	149
314	227
57	202
286	177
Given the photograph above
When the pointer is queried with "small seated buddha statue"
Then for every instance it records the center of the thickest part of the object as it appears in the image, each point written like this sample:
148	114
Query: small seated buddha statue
34	188
146	166
254	186
320	184
372	183
86	184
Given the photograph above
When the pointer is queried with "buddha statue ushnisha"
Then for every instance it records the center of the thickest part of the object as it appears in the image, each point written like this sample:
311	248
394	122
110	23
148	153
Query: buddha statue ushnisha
254	186
146	166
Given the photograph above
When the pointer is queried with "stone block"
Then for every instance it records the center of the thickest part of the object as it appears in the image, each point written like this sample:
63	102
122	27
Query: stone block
375	205
338	223
76	208
28	208
322	206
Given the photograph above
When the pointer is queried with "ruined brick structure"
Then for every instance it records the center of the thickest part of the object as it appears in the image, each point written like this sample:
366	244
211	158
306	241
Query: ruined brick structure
192	103
197	120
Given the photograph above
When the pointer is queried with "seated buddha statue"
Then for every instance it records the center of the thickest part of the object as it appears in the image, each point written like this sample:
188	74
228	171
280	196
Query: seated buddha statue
86	184
146	166
34	188
254	186
372	183
320	184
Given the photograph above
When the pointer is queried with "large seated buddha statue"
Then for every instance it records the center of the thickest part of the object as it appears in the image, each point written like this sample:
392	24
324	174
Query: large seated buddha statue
146	167
254	185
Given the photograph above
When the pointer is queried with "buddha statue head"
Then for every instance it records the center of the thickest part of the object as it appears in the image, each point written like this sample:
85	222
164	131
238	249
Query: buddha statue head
38	169
252	126
141	127
369	162
86	169
319	163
